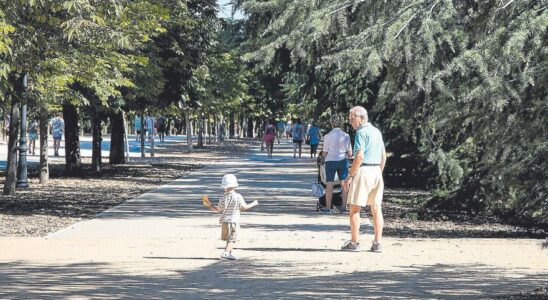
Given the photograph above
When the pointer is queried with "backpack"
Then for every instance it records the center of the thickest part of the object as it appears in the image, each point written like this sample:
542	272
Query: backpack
161	122
297	133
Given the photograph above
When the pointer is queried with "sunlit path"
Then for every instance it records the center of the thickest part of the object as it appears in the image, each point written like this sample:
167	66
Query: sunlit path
165	245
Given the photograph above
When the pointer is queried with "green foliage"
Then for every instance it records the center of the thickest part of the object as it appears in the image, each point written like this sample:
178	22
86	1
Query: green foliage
459	86
91	43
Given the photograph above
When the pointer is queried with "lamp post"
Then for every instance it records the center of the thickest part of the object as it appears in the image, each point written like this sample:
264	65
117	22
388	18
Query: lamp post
22	166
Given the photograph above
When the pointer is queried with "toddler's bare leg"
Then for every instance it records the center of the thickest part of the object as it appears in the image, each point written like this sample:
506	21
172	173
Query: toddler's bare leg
229	247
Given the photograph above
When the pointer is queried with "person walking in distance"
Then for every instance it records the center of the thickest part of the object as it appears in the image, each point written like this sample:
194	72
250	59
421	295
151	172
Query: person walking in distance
336	151
365	183
297	133
288	129
313	137
269	136
137	126
150	126
161	123
57	125
33	135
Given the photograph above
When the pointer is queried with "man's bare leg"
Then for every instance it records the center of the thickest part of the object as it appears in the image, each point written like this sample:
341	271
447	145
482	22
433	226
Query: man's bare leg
378	221
355	222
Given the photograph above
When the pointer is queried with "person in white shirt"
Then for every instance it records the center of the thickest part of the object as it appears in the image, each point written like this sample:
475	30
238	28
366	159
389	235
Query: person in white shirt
336	151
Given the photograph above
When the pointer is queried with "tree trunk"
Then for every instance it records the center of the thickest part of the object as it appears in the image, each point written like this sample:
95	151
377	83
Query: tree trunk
126	138
188	130
11	168
241	124
256	127
142	134
4	117
117	138
44	164
231	129
216	125
72	140
250	128
206	129
97	139
200	123
209	129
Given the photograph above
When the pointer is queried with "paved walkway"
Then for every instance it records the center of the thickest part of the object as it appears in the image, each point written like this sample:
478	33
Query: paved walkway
86	148
165	245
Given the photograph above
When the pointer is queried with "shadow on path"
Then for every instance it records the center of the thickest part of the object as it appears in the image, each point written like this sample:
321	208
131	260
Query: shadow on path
258	279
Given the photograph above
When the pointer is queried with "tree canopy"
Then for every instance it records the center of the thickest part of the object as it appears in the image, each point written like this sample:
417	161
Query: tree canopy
457	87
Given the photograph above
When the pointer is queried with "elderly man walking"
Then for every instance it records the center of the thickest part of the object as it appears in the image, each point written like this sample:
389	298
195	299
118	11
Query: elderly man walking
365	182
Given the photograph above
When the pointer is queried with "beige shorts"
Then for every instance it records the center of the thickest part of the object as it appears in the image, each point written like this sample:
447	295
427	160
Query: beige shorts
367	187
230	231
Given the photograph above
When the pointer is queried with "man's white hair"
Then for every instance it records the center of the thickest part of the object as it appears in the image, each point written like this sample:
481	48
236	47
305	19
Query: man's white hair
359	111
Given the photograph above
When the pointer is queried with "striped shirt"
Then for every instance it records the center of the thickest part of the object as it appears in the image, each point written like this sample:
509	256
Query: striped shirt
230	205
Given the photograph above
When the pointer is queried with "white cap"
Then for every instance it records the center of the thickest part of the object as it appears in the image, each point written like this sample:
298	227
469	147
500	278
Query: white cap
229	181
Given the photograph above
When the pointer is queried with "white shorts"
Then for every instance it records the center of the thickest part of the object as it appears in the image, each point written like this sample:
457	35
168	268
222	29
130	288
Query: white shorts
367	187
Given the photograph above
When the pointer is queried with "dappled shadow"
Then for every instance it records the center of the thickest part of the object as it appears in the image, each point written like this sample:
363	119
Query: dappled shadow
282	186
253	279
276	249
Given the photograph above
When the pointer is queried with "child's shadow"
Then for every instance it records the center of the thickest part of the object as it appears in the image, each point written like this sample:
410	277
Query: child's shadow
287	249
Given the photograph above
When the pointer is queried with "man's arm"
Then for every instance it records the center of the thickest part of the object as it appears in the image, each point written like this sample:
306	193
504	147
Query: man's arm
383	159
356	164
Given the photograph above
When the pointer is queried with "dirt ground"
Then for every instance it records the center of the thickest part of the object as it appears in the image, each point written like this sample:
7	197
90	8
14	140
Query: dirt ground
40	210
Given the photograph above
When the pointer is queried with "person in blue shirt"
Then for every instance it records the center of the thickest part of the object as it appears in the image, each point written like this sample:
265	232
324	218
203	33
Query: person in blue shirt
137	126
313	137
364	183
57	126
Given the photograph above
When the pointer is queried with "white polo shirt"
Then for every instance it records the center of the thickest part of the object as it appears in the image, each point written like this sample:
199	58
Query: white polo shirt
336	143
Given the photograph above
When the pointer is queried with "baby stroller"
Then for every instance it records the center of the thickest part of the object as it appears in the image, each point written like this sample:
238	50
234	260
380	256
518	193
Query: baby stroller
336	200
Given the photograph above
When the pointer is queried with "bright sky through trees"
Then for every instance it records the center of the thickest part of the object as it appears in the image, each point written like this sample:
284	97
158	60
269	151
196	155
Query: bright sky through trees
226	10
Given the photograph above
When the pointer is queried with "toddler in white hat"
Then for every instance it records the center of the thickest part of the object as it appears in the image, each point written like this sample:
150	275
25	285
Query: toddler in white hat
230	205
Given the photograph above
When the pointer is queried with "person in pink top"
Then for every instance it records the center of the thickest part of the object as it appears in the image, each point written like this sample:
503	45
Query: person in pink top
269	136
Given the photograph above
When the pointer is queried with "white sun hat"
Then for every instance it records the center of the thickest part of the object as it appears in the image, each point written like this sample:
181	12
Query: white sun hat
229	181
